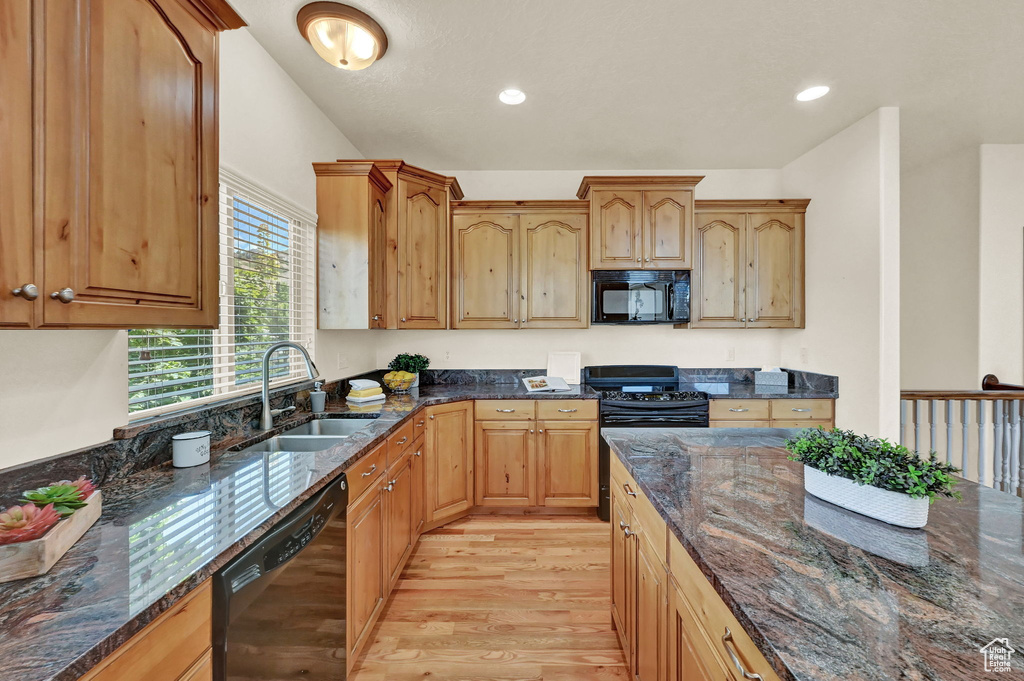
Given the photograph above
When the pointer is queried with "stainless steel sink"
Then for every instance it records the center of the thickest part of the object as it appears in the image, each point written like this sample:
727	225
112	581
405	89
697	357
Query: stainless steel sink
301	443
335	427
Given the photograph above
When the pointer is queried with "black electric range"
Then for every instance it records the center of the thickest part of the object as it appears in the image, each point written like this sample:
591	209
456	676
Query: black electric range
640	396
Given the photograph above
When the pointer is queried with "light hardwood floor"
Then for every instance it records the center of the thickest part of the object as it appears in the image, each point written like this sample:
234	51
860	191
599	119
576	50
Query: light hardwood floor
501	597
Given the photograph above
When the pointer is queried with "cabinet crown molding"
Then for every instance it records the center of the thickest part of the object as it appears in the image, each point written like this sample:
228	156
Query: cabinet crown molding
366	169
636	182
520	207
397	165
219	13
750	204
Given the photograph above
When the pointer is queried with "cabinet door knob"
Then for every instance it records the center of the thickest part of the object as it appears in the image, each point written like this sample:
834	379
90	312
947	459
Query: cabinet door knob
531	430
647	259
65	295
390	487
403	319
376	317
515	321
542	430
638	259
628	532
431	417
744	319
27	291
417	453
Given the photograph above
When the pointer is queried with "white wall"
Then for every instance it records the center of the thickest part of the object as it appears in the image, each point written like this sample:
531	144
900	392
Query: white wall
853	269
61	390
939	273
1001	263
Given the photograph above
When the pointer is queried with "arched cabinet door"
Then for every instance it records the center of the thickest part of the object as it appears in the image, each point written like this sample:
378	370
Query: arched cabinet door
130	200
555	281
667	229
616	244
717	297
485	271
775	270
423	245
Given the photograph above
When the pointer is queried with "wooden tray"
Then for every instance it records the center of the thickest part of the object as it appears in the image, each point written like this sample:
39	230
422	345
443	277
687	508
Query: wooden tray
36	557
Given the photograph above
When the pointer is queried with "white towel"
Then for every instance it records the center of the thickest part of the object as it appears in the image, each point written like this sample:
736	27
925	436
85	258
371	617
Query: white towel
363	384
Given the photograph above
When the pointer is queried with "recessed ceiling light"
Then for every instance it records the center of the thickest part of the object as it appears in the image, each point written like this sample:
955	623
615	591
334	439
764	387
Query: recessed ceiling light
813	93
342	35
512	96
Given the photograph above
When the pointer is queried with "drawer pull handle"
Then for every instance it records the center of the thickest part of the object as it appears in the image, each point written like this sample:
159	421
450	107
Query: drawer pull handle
795	409
629	490
370	472
402	441
568	411
738	410
727	642
504	411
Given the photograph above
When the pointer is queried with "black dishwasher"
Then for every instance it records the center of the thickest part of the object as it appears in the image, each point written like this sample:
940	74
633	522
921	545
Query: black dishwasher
279	606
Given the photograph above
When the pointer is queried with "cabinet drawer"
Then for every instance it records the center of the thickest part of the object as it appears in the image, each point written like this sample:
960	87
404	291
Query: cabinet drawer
793	410
400	440
713	615
739	410
365	471
419	424
573	410
504	410
801	424
740	424
168	648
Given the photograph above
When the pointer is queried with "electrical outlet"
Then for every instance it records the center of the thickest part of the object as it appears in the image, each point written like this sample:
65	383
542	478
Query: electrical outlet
342	361
447	355
804	355
730	354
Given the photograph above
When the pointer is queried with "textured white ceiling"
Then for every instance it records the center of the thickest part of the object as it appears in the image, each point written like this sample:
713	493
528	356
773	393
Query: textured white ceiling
661	83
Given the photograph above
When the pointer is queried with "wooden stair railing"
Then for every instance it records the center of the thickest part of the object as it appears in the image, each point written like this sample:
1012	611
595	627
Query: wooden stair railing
991	382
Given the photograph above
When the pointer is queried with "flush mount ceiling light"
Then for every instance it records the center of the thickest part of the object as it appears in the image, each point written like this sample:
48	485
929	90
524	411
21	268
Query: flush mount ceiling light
342	35
512	96
812	93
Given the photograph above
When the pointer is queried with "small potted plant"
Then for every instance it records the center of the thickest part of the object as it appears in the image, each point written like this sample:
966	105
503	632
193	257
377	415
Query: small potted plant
871	476
412	364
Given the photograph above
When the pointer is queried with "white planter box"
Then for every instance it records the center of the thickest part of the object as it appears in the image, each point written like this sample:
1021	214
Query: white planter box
894	508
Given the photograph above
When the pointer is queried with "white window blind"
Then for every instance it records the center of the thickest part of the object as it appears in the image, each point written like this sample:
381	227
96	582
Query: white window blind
267	274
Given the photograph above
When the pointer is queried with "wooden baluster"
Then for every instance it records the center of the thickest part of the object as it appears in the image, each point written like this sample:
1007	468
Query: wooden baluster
933	406
981	442
917	426
997	444
903	421
1017	464
965	421
949	431
1008	458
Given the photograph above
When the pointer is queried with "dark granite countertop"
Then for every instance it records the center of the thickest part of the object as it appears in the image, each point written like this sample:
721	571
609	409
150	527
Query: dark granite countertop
164	531
826	593
746	391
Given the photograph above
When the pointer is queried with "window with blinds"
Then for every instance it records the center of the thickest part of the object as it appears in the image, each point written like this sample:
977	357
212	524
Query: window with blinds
267	274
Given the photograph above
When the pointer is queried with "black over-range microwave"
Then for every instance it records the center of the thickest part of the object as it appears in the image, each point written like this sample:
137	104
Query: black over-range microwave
640	297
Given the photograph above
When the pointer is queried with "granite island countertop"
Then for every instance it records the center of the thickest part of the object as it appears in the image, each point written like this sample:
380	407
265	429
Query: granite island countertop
826	593
164	531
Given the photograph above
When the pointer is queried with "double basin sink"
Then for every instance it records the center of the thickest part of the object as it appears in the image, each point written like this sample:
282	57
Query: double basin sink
315	436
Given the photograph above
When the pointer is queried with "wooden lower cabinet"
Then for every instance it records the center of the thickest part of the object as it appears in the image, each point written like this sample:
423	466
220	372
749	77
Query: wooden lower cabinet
650	581
689	656
365	556
767	413
449	461
506	463
567	461
176	646
399	524
419	487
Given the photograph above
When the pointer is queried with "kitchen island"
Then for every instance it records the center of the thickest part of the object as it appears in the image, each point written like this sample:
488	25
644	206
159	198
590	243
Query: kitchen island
825	593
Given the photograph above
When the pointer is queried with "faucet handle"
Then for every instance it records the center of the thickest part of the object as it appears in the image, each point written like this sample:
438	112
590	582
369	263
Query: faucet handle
278	412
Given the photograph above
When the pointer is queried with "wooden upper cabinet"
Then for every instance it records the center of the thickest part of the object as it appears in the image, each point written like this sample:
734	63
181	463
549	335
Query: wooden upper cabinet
485	271
749	269
423	249
519	264
17	242
351	206
667	229
718	278
775	274
554	284
129	160
641	222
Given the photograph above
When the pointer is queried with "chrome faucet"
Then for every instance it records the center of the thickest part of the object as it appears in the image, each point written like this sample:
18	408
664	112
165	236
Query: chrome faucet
267	418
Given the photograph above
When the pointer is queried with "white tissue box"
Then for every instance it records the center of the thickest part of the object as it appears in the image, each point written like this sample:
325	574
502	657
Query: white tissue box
765	378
